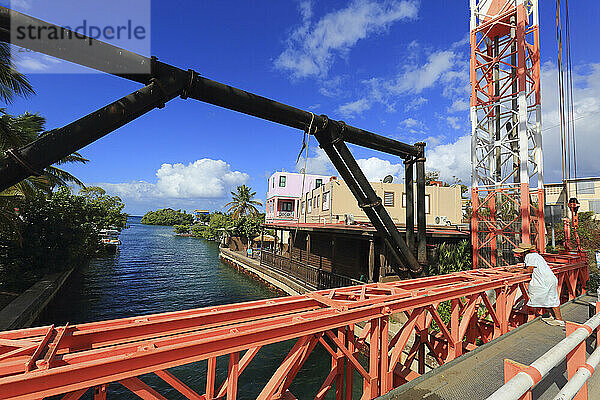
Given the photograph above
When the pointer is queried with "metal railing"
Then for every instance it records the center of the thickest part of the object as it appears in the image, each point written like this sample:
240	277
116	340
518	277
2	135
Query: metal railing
308	276
522	382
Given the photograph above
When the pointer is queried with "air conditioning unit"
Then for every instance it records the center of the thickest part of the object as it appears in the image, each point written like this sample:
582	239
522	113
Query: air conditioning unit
349	219
442	220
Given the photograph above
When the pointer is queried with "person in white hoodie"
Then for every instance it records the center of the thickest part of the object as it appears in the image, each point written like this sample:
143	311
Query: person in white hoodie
543	287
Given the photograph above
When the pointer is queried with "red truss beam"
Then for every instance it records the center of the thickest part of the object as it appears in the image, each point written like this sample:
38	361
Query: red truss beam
69	360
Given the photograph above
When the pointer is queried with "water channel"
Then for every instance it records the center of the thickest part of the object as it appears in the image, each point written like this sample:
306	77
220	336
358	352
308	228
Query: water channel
155	271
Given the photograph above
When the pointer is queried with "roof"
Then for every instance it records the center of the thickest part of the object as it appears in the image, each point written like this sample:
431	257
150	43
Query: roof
366	229
264	238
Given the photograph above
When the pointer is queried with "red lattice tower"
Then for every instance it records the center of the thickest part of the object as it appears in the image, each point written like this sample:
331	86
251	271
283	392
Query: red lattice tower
506	146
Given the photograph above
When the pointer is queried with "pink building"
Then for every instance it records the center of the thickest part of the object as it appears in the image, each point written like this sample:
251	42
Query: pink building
284	193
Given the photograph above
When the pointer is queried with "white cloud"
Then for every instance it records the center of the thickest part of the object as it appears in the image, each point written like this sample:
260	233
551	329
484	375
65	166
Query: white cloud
415	103
202	179
375	169
33	62
454	159
451	160
411	123
587	119
354	108
318	163
417	78
20	5
459	104
313	47
453	122
332	87
445	68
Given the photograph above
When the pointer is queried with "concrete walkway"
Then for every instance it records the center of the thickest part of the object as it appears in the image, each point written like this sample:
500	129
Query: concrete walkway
25	309
477	374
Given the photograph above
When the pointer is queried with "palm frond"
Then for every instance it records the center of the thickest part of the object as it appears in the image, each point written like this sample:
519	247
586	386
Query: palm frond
60	177
12	82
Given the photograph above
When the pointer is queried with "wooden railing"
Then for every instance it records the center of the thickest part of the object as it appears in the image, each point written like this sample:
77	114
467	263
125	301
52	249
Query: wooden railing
308	276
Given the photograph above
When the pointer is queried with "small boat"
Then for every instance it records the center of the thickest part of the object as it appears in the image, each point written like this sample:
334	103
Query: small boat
109	240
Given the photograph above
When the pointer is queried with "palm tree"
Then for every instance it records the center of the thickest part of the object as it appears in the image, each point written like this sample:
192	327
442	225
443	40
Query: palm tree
12	82
17	131
241	203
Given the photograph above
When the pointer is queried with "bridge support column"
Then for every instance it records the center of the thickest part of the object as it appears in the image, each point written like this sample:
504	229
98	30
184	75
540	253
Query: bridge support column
455	349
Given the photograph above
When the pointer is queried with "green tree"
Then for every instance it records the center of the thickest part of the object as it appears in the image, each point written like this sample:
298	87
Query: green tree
110	207
217	224
242	202
167	217
57	232
181	229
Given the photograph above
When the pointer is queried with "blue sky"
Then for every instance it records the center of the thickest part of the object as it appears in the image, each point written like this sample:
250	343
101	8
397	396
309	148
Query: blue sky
398	68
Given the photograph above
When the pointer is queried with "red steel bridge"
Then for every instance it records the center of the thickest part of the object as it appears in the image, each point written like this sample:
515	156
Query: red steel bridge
349	323
485	303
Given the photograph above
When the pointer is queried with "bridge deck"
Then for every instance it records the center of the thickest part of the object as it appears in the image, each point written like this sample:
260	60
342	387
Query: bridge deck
477	374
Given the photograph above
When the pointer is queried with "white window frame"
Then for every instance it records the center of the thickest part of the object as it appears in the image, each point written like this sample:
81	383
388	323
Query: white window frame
326	201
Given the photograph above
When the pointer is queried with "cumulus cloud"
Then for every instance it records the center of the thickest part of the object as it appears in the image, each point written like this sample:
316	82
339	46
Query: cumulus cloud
454	159
451	160
202	179
375	169
313	46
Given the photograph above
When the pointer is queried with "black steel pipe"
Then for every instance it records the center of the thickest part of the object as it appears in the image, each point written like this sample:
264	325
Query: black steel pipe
82	50
105	57
421	223
410	203
341	157
58	143
361	198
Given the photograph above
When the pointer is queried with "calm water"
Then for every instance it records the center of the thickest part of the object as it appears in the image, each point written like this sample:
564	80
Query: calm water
155	271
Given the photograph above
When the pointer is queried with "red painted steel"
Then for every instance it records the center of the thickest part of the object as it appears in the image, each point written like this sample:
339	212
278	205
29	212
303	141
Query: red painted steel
391	323
506	114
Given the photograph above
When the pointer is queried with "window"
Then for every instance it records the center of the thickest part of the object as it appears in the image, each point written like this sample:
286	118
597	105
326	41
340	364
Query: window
273	182
388	199
595	206
325	201
309	206
318	199
303	207
287	206
318	183
282	181
585	187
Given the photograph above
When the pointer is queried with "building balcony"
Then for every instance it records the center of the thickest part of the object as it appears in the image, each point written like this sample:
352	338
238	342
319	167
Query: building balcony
286	214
